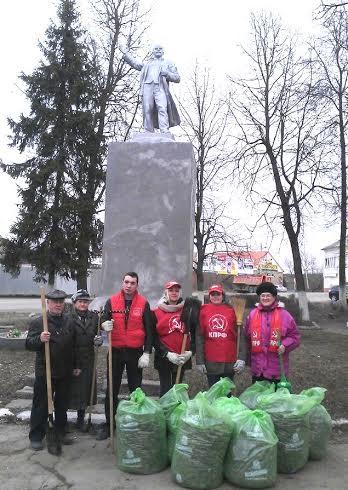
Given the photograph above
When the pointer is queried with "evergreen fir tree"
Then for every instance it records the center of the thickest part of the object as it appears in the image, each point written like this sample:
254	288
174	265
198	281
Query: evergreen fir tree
57	230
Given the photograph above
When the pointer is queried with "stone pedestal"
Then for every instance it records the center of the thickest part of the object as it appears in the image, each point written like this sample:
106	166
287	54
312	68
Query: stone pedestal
149	216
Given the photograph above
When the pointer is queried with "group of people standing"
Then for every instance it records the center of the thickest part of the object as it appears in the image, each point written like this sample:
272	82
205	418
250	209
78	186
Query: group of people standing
135	329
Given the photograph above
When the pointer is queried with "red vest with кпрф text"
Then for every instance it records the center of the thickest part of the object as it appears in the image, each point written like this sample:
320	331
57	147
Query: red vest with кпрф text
171	330
218	326
256	330
131	333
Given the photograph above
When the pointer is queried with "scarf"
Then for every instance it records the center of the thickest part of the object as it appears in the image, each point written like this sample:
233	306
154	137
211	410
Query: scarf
164	306
256	333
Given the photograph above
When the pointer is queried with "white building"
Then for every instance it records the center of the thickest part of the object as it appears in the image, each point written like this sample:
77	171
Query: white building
331	261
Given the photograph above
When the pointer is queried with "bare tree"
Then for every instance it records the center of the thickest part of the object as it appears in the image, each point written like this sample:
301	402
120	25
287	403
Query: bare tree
279	144
332	58
116	106
204	121
327	6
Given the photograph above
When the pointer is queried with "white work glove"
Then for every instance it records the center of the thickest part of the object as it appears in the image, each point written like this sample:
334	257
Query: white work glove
144	360
174	358
239	365
281	349
201	368
98	340
187	355
108	325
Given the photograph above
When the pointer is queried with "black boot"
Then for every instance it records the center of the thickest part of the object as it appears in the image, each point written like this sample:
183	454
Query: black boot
103	433
80	422
65	439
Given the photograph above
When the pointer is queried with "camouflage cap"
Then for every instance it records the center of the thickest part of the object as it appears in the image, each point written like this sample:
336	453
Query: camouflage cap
56	294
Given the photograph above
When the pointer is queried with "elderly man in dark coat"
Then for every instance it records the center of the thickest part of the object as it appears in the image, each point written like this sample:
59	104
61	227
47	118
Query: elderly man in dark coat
85	324
61	338
159	109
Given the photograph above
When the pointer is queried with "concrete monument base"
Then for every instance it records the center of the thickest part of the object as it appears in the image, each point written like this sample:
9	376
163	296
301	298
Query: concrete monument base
149	216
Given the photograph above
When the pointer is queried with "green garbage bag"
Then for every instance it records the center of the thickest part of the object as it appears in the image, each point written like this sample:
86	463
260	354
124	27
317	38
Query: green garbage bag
141	441
200	446
249	396
251	459
177	394
228	408
221	388
290	417
320	424
172	426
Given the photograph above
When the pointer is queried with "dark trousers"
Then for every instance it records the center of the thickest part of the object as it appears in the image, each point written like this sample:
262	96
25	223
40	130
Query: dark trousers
167	376
214	378
39	410
123	358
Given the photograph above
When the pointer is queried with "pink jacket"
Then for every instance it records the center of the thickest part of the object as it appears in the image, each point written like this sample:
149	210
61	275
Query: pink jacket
266	363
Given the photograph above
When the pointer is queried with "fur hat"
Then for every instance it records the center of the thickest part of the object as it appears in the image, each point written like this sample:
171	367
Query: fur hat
80	294
267	287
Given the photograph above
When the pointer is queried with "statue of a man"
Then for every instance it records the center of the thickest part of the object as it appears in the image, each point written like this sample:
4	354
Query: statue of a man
159	110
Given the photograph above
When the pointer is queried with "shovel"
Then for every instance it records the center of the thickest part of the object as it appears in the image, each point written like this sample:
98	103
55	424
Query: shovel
94	375
283	383
111	394
54	445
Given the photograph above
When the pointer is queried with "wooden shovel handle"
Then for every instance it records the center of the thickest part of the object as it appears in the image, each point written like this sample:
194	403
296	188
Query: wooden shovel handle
111	393
47	353
94	374
183	347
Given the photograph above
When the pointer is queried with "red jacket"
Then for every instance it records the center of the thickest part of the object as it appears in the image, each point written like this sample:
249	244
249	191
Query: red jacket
218	327
171	330
131	333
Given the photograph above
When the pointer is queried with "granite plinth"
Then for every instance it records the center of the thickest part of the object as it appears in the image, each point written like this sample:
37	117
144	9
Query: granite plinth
149	216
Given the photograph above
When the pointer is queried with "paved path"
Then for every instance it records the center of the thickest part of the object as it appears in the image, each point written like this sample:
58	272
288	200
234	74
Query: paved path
89	464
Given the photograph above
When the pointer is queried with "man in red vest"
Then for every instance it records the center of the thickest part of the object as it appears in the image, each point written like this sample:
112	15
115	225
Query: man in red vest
128	316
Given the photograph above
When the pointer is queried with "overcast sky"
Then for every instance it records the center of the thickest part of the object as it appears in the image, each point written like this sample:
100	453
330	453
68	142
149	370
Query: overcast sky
189	29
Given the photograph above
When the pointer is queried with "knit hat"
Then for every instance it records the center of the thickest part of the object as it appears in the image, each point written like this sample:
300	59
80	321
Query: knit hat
267	287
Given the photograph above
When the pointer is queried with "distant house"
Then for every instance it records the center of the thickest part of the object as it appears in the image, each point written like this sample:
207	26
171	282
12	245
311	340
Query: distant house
331	262
245	263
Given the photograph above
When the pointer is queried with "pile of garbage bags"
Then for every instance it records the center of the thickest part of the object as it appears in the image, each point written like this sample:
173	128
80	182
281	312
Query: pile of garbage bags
246	440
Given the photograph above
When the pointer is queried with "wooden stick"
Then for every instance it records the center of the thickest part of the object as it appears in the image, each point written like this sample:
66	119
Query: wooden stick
47	354
94	375
183	347
238	339
111	394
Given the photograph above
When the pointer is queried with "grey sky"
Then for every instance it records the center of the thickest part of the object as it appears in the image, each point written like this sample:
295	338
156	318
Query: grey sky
188	29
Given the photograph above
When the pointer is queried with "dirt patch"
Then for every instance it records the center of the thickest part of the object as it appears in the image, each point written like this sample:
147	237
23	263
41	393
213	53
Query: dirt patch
321	360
